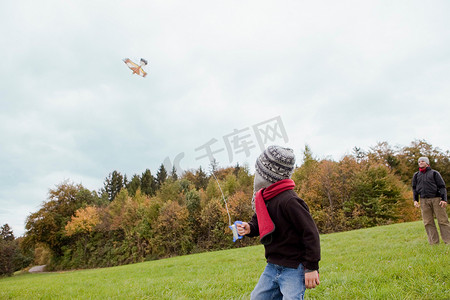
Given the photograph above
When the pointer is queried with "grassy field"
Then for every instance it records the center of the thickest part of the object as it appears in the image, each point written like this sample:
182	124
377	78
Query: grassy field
388	262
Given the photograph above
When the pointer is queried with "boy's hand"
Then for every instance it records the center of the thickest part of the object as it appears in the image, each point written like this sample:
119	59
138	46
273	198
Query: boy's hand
312	279
243	228
416	204
443	204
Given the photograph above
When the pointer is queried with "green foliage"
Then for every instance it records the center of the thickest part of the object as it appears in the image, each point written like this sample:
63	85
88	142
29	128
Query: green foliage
12	258
171	191
148	183
193	205
244	180
161	176
134	185
213	190
376	198
113	184
8	251
230	185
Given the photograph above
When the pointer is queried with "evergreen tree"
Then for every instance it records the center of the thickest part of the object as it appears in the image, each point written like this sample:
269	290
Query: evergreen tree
201	180
214	165
6	233
134	185
161	176
113	184
173	174
148	183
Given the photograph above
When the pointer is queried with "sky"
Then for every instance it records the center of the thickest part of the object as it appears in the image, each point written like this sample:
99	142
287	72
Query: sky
225	79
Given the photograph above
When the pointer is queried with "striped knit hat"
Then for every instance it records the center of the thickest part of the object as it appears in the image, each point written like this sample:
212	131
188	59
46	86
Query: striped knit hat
275	163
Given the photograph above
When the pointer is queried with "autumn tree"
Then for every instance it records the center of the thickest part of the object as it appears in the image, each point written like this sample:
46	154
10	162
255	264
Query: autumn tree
410	154
84	221
172	231
47	225
200	179
213	226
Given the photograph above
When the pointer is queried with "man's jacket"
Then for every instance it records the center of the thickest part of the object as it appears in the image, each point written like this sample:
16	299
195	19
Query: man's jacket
428	185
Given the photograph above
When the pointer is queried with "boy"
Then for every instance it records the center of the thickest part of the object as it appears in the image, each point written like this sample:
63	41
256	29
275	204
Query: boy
286	229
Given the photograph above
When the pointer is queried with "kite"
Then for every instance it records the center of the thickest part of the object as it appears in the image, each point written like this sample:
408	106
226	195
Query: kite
137	69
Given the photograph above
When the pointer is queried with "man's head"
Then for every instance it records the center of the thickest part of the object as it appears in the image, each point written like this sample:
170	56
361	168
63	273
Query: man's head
423	162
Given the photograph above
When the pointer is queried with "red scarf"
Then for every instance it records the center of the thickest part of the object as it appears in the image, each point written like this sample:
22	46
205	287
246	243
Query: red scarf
423	170
265	223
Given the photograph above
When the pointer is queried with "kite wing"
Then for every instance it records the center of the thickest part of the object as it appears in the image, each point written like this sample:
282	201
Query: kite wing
137	69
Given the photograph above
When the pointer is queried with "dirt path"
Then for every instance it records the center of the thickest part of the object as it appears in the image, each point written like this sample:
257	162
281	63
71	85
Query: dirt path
37	269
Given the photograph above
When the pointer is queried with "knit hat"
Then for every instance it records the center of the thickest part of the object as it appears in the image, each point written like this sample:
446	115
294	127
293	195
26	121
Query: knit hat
274	164
425	159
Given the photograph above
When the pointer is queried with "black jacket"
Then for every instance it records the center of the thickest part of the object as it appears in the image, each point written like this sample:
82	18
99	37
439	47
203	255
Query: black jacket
296	238
428	185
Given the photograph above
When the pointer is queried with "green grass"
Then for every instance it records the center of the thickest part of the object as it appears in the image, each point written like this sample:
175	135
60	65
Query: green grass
388	262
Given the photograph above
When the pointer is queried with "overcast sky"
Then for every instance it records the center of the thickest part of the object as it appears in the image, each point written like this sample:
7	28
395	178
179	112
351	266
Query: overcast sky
226	76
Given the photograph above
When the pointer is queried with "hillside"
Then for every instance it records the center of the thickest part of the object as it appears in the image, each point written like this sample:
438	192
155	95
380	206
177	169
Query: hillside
387	262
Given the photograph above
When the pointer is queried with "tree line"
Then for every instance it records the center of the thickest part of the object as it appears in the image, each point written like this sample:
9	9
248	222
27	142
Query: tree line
152	217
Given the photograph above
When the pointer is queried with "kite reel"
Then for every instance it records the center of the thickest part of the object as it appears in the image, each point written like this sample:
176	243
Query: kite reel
233	228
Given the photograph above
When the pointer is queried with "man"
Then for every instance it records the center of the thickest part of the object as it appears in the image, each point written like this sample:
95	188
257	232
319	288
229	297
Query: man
285	227
428	185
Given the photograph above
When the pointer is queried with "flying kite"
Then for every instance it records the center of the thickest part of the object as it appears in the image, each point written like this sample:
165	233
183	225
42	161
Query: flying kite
137	69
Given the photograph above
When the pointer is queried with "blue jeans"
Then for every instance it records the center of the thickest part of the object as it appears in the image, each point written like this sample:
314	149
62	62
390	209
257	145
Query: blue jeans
278	282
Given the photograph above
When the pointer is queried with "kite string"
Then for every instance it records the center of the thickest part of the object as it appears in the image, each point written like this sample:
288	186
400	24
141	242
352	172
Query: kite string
223	197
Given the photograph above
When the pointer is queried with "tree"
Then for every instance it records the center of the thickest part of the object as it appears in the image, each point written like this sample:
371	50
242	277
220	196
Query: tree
192	200
201	180
173	233
113	184
213	223
376	199
383	153
148	183
84	221
11	256
214	165
173	174
171	190
6	233
134	184
409	155
358	154
161	176
8	251
47	226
